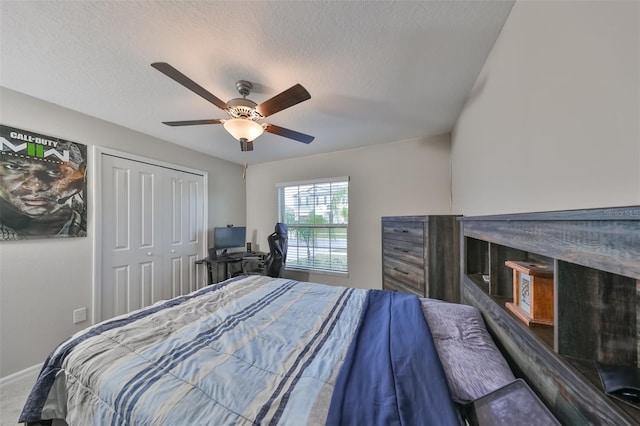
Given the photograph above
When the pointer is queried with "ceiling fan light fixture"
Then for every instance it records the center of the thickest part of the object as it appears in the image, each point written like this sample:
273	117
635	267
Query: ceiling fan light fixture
243	128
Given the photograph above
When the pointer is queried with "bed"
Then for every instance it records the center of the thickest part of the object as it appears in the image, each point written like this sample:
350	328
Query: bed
259	350
255	350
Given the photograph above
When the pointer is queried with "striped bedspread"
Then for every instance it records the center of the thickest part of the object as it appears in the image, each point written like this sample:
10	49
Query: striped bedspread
254	350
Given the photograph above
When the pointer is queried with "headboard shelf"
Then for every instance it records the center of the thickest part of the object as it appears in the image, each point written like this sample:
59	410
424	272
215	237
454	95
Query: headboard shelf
605	239
595	259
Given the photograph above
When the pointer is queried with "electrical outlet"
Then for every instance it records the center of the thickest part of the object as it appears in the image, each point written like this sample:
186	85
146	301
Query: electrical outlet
79	315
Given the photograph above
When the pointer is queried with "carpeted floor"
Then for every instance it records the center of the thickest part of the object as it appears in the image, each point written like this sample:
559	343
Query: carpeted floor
12	398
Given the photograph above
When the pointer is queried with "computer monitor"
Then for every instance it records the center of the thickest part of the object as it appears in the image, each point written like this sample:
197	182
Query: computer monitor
229	237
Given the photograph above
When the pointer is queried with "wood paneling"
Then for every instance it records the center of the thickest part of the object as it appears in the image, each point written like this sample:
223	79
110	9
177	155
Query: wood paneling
571	398
598	316
595	255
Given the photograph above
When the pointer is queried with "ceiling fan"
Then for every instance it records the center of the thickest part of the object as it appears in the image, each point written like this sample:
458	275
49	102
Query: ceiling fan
244	114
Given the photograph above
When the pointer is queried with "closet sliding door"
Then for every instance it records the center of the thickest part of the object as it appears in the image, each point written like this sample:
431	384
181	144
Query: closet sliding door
152	234
183	220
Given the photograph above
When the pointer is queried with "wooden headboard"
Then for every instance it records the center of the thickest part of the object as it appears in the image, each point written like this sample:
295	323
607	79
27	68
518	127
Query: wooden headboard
595	257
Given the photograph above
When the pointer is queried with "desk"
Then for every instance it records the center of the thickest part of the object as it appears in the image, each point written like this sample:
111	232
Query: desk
224	261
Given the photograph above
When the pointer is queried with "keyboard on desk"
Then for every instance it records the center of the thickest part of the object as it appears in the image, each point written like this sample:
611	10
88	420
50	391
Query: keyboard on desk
233	256
229	257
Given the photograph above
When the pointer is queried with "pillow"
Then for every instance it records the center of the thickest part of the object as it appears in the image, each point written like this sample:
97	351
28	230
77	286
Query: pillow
472	363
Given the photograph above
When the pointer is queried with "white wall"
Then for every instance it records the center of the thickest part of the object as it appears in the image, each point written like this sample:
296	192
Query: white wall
399	178
553	120
43	281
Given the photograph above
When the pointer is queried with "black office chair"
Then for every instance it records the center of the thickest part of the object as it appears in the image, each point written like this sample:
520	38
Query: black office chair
273	264
277	257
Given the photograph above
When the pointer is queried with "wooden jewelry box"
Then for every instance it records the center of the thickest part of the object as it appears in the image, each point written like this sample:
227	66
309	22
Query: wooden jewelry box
532	292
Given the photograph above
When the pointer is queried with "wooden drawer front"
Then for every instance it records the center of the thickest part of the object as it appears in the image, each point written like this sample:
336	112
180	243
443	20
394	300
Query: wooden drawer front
389	283
404	231
410	275
404	251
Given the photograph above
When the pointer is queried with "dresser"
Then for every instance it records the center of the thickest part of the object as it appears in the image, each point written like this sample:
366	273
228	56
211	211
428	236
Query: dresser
421	255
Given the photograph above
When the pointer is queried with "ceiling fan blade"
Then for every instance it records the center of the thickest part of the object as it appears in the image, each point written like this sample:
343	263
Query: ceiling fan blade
191	122
290	97
177	76
287	133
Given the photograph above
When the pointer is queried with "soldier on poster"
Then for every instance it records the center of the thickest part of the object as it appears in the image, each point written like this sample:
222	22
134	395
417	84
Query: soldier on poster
42	186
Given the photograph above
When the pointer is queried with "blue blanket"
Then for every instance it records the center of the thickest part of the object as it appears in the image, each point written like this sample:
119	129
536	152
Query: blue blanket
251	351
392	374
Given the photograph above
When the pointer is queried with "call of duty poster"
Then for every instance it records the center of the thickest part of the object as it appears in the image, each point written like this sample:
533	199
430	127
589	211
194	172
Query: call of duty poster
43	186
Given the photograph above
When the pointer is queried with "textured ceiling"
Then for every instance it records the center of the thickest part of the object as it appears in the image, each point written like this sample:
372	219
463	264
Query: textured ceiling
377	71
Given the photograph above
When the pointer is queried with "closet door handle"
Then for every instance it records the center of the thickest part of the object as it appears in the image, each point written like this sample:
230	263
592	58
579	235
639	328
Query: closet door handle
149	253
173	251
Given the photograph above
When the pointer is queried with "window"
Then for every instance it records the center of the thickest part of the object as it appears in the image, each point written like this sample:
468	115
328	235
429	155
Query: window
317	215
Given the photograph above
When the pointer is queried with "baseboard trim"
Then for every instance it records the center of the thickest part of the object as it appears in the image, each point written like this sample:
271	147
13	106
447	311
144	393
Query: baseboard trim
20	375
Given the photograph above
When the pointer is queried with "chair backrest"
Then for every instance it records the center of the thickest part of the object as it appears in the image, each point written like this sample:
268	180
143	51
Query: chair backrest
277	257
